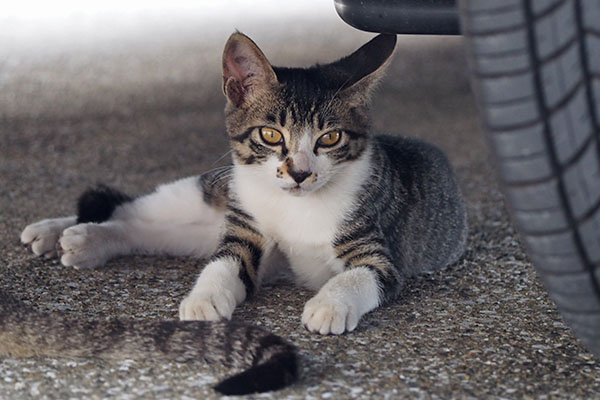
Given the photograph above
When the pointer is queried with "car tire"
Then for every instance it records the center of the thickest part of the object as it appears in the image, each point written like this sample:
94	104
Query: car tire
535	68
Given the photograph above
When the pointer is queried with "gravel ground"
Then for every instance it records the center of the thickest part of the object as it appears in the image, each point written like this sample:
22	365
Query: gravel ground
145	107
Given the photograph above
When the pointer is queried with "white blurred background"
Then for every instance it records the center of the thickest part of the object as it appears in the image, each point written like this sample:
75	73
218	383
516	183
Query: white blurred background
64	58
47	26
76	59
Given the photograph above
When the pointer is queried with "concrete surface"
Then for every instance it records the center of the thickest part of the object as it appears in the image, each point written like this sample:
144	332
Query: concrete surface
139	106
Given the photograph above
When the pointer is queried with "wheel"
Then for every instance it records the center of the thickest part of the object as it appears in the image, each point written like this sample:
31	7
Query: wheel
535	67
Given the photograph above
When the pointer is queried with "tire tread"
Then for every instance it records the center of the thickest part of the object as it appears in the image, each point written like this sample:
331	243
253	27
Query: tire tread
541	114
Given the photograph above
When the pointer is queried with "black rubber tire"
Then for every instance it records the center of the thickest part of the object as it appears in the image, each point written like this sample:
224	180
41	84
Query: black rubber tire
536	74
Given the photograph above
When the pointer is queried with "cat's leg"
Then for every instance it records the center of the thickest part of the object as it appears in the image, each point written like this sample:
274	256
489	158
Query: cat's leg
42	236
232	273
91	245
368	280
176	219
342	301
93	205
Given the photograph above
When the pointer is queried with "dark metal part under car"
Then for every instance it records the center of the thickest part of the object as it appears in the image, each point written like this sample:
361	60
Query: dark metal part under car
425	17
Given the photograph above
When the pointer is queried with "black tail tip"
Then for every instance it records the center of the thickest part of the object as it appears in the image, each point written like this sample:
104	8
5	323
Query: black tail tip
98	204
277	373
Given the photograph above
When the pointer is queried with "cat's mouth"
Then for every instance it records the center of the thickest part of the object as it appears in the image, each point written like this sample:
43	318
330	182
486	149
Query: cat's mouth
296	190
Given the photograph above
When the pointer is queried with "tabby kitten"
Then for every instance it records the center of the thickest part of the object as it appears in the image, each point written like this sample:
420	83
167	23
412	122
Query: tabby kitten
350	214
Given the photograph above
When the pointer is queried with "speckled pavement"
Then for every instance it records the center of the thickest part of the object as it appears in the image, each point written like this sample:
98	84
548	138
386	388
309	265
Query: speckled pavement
147	109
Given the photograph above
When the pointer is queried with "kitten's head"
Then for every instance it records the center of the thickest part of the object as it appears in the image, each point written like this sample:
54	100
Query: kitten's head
299	127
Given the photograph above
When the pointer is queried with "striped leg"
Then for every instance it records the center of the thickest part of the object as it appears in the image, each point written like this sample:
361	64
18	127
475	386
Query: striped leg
232	272
368	280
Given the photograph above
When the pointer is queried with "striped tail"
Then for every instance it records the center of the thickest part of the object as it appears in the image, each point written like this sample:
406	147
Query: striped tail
267	361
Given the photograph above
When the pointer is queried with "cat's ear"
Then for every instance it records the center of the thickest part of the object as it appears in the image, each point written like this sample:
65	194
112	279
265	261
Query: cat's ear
246	70
360	71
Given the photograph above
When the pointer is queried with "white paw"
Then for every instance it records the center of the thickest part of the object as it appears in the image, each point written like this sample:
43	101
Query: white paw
84	246
327	315
43	235
208	305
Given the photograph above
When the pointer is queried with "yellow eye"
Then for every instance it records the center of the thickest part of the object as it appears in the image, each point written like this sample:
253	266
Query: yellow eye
271	136
330	138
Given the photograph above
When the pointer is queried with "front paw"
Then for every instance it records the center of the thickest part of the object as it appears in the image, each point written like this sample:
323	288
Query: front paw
327	315
207	305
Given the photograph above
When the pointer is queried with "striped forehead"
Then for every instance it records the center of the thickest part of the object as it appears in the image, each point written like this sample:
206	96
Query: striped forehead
296	119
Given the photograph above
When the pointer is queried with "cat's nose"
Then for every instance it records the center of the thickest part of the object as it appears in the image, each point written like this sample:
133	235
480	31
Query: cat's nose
299	176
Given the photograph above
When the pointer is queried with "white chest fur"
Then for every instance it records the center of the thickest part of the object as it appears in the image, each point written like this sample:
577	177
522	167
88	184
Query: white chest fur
304	227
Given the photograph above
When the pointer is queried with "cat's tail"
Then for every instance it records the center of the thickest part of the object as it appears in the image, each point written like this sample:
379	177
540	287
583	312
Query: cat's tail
267	362
98	204
275	366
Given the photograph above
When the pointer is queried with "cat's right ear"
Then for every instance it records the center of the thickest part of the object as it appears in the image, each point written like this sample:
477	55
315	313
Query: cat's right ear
360	72
246	70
